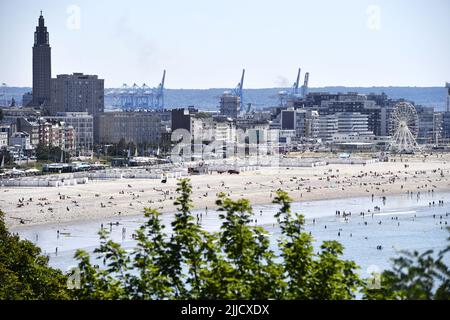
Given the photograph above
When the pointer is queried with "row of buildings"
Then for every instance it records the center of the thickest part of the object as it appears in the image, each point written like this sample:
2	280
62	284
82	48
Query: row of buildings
318	119
26	128
65	93
68	112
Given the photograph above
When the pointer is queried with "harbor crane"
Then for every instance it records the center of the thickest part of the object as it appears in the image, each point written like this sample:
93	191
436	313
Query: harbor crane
160	92
238	90
139	97
296	84
305	85
285	96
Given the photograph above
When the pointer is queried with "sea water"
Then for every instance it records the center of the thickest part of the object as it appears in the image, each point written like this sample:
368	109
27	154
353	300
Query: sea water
403	222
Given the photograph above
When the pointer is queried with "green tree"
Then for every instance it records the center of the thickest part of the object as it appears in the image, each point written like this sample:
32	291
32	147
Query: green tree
24	272
6	157
235	262
414	276
119	149
51	153
247	250
308	275
132	147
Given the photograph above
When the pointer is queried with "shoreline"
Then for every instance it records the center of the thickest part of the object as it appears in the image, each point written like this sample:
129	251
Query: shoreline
62	224
127	197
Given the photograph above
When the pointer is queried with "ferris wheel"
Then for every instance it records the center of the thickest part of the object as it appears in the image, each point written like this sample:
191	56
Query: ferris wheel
404	126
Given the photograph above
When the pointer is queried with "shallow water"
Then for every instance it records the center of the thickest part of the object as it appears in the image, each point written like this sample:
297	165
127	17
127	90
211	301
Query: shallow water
403	223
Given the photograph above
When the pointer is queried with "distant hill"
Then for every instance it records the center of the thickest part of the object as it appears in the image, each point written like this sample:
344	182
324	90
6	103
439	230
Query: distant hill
209	98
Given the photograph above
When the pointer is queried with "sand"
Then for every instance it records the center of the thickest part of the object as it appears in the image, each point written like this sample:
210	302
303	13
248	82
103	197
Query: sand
105	199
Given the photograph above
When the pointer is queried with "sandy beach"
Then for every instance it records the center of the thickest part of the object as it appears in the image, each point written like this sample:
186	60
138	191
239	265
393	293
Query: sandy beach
113	198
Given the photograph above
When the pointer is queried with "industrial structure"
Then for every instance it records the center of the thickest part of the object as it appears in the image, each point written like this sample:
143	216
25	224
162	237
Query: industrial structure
232	102
287	98
138	97
238	90
68	112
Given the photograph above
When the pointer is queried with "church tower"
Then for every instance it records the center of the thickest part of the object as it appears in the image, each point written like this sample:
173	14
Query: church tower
41	65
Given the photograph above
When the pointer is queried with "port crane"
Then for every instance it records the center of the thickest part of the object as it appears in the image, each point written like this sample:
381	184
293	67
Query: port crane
160	92
296	84
238	90
284	96
305	85
139	97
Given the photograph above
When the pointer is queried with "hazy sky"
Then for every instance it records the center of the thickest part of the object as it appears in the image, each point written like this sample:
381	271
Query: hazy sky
205	44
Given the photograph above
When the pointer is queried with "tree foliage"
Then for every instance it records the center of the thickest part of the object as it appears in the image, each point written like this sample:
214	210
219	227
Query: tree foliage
51	153
237	262
24	272
6	157
415	276
121	149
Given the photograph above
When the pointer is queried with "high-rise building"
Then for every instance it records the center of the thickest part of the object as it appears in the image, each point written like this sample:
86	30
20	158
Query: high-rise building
327	127
139	127
426	127
77	93
41	65
352	122
446	126
83	125
181	118
230	105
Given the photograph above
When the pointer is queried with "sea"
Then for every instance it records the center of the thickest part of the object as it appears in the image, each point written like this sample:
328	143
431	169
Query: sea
388	226
208	99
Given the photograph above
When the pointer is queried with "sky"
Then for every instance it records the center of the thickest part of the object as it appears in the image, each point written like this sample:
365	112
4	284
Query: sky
207	43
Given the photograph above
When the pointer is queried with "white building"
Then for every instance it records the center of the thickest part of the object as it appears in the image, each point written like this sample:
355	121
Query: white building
303	122
3	139
224	131
352	137
20	140
327	126
83	125
353	122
